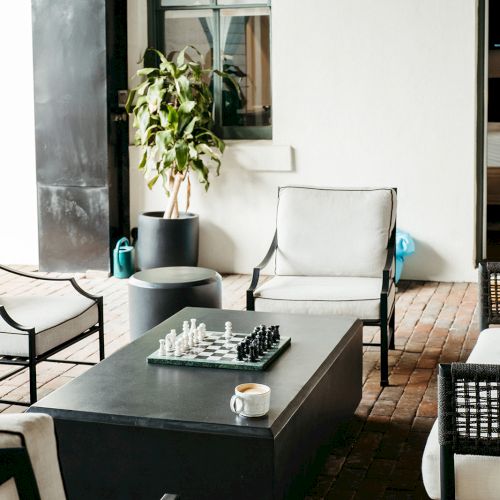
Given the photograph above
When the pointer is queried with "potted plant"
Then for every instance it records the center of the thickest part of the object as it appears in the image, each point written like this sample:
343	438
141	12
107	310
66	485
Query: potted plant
172	110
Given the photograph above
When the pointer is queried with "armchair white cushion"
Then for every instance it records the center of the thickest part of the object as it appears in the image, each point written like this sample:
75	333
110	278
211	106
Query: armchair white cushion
333	232
38	433
55	319
351	296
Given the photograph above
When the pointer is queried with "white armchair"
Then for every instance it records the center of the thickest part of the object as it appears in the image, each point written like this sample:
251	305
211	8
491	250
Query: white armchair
333	254
35	328
29	465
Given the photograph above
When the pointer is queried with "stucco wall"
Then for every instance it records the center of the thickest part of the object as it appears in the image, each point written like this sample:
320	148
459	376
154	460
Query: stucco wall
366	93
18	208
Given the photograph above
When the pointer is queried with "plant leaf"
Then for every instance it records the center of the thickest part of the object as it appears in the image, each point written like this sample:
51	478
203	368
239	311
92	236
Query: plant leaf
181	155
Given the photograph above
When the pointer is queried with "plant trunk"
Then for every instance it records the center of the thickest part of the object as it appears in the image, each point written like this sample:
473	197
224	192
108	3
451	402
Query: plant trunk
173	197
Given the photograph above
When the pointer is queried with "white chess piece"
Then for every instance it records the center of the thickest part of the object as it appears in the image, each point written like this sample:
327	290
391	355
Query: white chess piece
199	334
185	327
193	324
178	348
173	337
162	351
203	331
168	344
228	333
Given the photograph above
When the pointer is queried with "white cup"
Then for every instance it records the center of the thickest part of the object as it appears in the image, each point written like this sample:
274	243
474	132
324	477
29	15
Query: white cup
251	400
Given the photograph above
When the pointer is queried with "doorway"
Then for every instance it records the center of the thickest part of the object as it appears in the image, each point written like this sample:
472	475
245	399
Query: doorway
492	132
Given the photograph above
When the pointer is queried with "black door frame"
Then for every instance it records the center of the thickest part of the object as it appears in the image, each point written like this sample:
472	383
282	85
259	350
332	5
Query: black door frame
481	114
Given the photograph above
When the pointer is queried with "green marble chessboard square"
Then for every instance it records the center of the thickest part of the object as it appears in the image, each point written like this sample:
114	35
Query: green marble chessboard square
215	352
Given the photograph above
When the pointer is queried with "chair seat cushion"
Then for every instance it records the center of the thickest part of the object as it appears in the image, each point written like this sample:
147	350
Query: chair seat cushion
37	430
475	476
358	297
55	319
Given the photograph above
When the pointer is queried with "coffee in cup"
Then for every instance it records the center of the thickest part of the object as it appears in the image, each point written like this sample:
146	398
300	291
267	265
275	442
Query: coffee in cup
251	400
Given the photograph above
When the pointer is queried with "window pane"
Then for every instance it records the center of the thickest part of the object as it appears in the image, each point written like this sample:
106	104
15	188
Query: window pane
189	27
245	52
174	3
242	2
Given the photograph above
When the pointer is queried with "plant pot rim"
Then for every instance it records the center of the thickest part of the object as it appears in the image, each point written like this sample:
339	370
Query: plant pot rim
159	215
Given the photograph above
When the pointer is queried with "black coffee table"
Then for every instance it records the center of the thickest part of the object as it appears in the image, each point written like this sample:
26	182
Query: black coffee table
131	430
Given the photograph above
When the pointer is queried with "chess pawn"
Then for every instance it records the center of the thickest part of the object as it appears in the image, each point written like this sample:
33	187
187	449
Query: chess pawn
203	330
229	330
162	351
193	324
199	334
178	348
185	327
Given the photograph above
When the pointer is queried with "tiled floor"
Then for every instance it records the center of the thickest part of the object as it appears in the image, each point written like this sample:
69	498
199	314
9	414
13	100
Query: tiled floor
377	454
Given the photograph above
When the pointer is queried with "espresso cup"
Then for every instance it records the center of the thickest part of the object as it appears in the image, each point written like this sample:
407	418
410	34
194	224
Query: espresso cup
251	400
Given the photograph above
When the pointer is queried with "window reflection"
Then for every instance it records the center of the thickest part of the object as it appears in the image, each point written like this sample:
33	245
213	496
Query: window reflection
245	52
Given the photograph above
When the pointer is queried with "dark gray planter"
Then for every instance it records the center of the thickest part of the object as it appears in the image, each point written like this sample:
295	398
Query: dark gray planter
167	242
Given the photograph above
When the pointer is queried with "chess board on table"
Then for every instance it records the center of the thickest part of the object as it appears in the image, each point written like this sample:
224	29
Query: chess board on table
215	352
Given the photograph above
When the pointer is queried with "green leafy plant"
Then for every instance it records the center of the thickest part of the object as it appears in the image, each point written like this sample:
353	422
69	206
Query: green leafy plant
172	109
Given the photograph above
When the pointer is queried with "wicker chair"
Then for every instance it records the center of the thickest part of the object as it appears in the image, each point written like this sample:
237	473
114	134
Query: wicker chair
469	416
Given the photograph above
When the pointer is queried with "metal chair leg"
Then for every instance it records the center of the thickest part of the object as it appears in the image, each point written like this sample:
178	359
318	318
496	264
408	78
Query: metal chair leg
101	329
33	391
392	330
32	365
384	354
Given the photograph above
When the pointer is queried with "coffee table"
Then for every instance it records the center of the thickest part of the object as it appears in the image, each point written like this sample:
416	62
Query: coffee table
131	430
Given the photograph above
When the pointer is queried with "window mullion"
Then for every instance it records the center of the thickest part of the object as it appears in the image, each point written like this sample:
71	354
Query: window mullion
217	63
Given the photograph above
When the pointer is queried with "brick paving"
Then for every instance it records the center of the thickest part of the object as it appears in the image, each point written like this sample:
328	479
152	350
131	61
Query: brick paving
375	455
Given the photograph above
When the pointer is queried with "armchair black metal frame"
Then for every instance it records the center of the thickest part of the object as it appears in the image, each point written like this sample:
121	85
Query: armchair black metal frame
387	311
469	416
33	359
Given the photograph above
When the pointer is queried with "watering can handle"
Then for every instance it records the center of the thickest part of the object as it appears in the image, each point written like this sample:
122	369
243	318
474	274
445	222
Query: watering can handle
122	241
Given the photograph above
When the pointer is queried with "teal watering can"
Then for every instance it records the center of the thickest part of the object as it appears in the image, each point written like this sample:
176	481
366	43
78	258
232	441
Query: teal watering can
123	259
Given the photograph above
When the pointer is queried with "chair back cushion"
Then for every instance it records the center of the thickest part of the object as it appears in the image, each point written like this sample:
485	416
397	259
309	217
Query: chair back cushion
334	232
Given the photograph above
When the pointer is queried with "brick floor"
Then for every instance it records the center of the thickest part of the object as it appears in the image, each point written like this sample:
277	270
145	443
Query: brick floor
375	455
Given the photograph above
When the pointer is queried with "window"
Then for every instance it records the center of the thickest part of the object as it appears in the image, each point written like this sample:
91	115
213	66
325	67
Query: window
233	36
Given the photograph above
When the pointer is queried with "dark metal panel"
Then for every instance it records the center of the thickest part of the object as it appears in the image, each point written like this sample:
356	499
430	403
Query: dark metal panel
480	130
118	136
73	227
69	52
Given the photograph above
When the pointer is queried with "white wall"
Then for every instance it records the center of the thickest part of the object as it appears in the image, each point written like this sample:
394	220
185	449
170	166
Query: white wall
366	93
18	202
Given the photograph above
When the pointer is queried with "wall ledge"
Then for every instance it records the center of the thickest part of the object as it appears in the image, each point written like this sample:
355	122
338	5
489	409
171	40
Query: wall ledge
258	155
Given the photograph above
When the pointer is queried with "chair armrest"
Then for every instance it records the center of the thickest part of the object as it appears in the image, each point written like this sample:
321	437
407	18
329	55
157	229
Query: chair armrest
72	281
389	269
12	322
258	269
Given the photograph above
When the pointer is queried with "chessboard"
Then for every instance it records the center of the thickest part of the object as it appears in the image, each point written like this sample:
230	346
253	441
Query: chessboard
215	350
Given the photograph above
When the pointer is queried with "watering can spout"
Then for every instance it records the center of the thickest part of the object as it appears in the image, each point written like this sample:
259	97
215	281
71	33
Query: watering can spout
123	259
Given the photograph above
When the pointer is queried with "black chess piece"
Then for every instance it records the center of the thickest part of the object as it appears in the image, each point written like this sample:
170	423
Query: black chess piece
263	343
239	351
253	357
269	340
260	350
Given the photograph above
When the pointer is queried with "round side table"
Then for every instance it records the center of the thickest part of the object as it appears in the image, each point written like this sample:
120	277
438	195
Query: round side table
156	294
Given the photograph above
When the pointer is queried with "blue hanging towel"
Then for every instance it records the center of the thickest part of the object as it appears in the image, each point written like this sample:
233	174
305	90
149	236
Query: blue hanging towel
405	246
